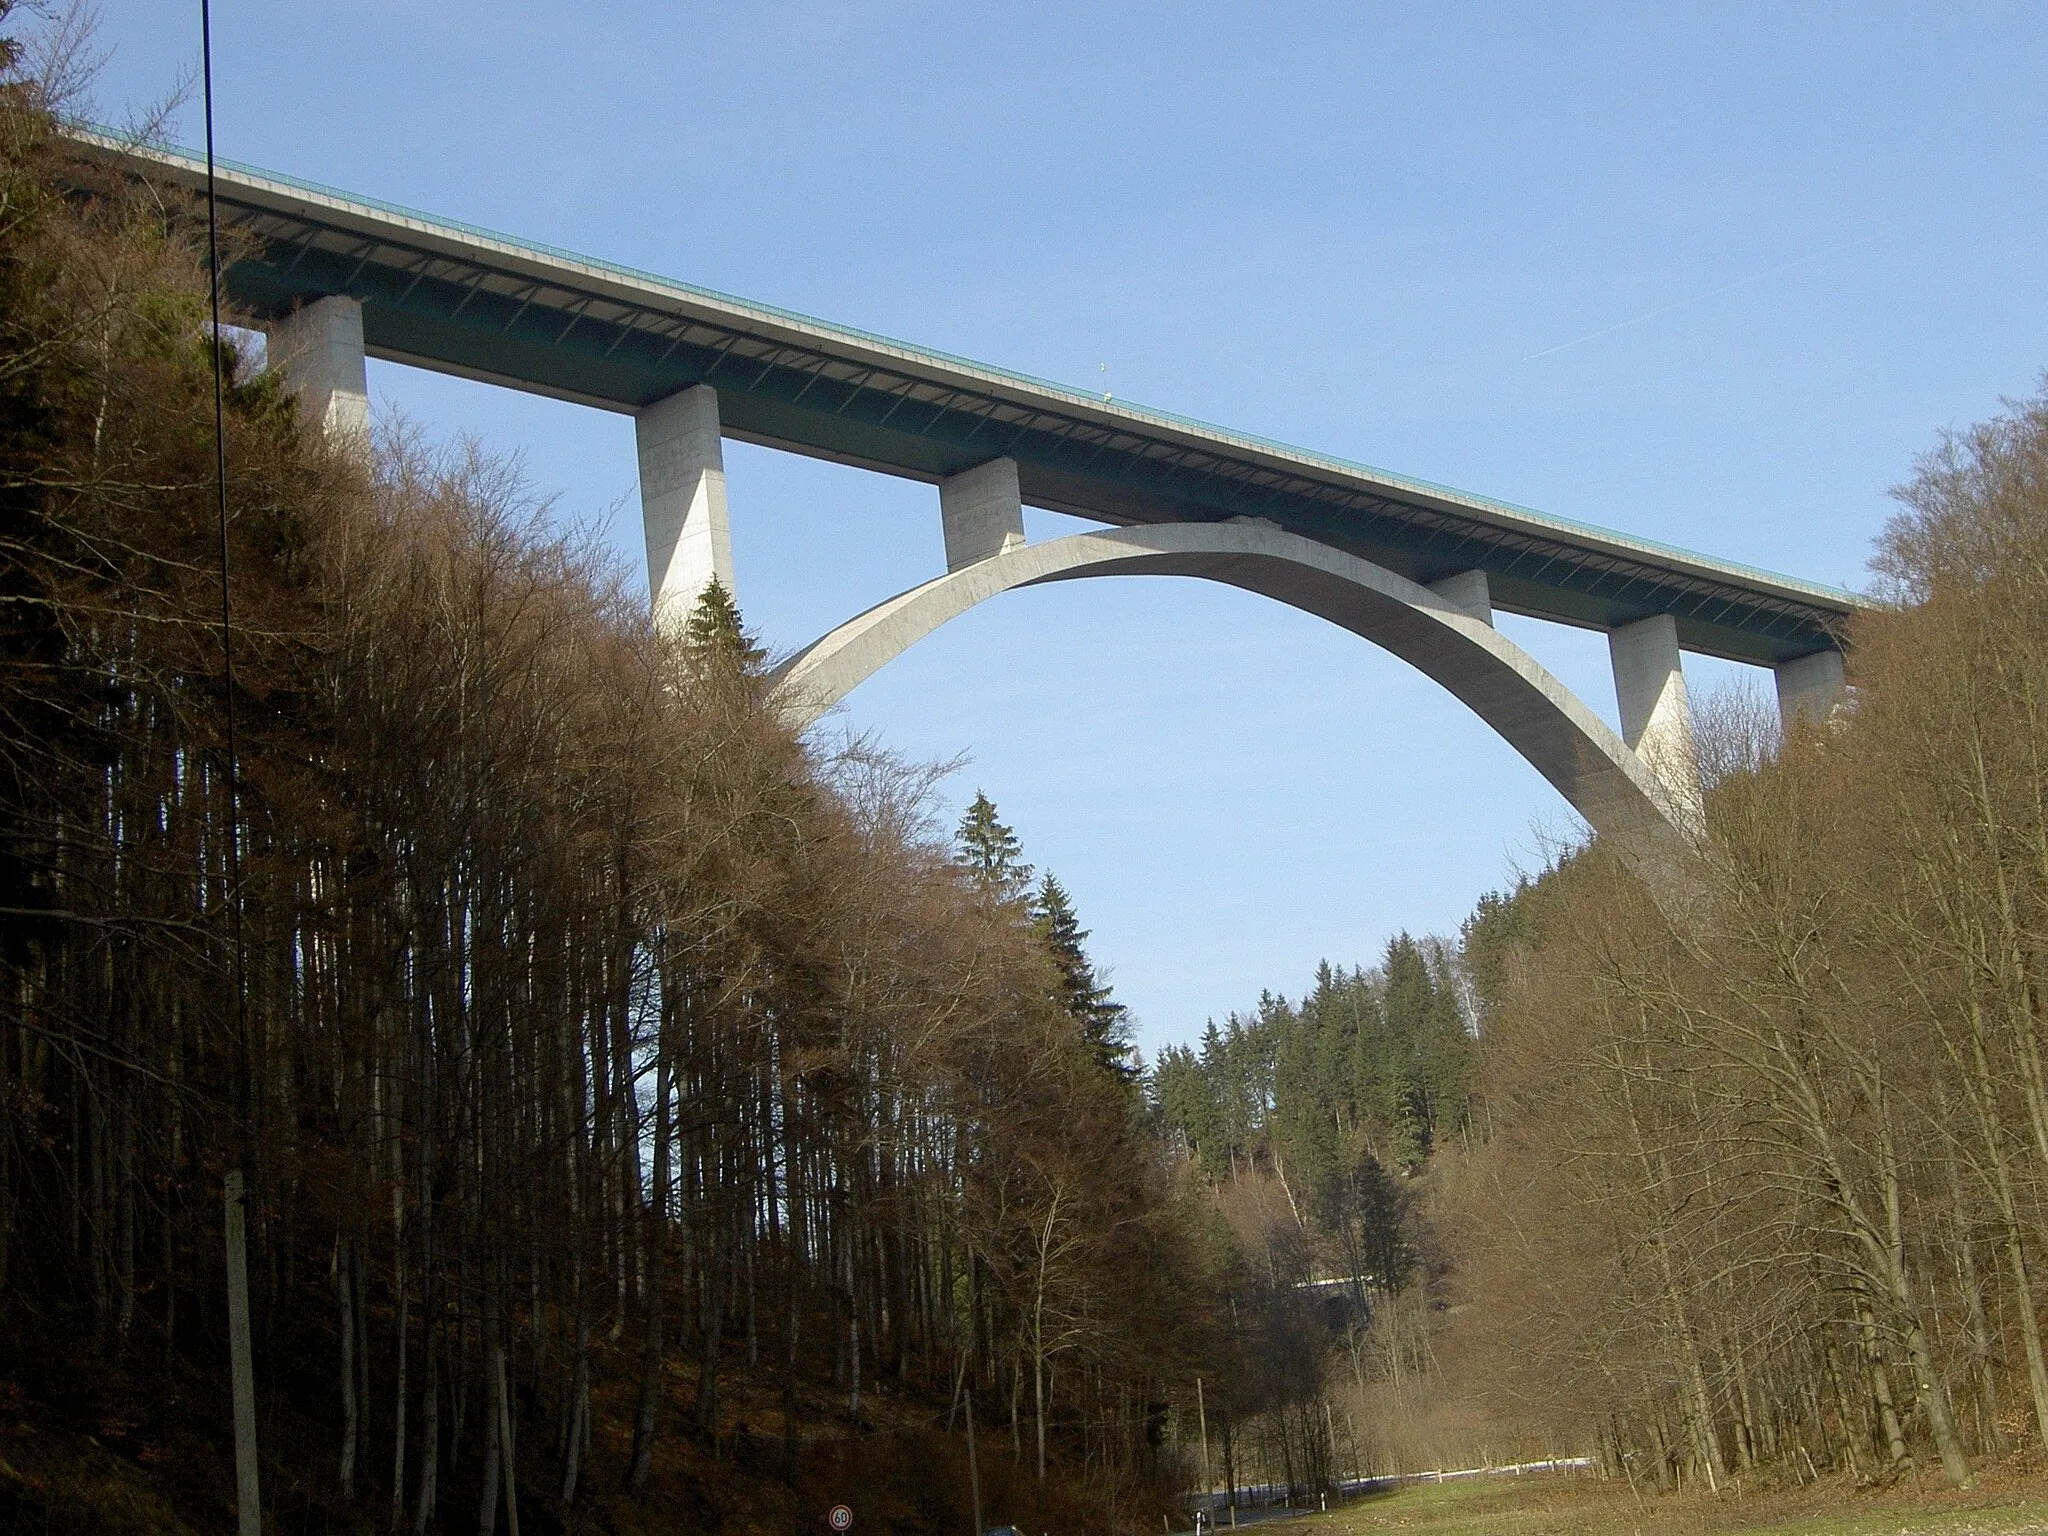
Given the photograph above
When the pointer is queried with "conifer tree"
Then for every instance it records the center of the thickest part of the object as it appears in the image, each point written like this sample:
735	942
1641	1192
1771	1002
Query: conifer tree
990	852
1104	1022
1186	1102
715	634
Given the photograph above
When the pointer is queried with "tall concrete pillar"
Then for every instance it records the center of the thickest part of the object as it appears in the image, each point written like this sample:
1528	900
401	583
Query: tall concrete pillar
1656	717
1809	687
319	350
983	512
1468	593
682	503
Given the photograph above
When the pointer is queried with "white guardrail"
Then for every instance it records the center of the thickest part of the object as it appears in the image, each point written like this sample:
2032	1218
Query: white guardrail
1269	1500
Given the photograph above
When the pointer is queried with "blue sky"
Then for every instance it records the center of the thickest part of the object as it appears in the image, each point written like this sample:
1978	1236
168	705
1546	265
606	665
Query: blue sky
1713	275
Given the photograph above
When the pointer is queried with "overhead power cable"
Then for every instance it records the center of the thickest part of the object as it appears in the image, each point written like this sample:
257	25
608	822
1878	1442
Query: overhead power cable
235	1192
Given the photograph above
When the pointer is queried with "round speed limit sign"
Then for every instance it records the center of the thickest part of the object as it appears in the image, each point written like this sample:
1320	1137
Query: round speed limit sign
841	1518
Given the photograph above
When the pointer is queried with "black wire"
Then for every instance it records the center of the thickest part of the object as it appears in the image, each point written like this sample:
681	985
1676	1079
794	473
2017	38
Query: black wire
227	633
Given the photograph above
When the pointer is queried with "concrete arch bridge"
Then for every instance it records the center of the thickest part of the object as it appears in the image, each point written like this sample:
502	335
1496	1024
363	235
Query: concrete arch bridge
1415	568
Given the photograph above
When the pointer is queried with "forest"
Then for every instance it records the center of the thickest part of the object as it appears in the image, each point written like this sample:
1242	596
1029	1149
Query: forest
1762	1194
639	1110
1735	1177
645	1117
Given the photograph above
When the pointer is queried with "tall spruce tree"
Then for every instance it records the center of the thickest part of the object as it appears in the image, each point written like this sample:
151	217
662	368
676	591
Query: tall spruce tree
715	634
990	852
1104	1022
1186	1102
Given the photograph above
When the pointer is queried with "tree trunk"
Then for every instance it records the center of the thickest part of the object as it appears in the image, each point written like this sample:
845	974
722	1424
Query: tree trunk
507	1448
710	1333
1991	1132
343	1276
655	1225
1879	1374
399	1390
487	1490
1940	1416
579	1407
1853	1428
1038	1401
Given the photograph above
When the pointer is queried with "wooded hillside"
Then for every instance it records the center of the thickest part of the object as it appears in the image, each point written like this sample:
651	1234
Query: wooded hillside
622	1087
1765	1190
652	1119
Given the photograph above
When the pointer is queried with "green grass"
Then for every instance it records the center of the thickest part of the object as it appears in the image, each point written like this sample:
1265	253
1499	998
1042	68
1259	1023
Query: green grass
1560	1507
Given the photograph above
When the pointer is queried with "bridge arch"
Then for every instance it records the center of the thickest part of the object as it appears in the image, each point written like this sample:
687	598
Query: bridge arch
1612	787
335	278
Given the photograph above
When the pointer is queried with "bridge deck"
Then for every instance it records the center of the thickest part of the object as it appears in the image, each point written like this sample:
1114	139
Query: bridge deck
460	300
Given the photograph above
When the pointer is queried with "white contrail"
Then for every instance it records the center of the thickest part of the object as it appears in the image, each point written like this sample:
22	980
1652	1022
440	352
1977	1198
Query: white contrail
1698	298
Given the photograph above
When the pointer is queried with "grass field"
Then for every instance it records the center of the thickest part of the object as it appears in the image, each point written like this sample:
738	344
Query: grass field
1572	1507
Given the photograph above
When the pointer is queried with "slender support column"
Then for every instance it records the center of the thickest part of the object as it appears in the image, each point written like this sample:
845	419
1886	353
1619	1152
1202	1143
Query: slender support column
1809	687
983	512
241	1375
319	351
1656	718
1468	593
682	503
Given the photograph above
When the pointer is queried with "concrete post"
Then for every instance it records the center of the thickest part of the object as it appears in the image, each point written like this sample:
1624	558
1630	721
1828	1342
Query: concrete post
1468	593
1656	718
1809	687
682	503
982	511
319	351
241	1374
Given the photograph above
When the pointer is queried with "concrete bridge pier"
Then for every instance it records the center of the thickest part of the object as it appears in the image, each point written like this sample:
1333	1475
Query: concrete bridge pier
1809	687
318	350
1656	716
983	513
1468	593
682	503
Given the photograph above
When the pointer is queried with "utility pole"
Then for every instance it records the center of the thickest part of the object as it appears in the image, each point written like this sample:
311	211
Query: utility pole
973	1466
1202	1418
1330	1423
235	1189
248	1499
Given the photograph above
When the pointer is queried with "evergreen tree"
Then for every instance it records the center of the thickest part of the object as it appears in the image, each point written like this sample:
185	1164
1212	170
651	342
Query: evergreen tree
1104	1022
1499	926
1303	1133
1225	1125
1411	1076
715	637
990	852
1186	1102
